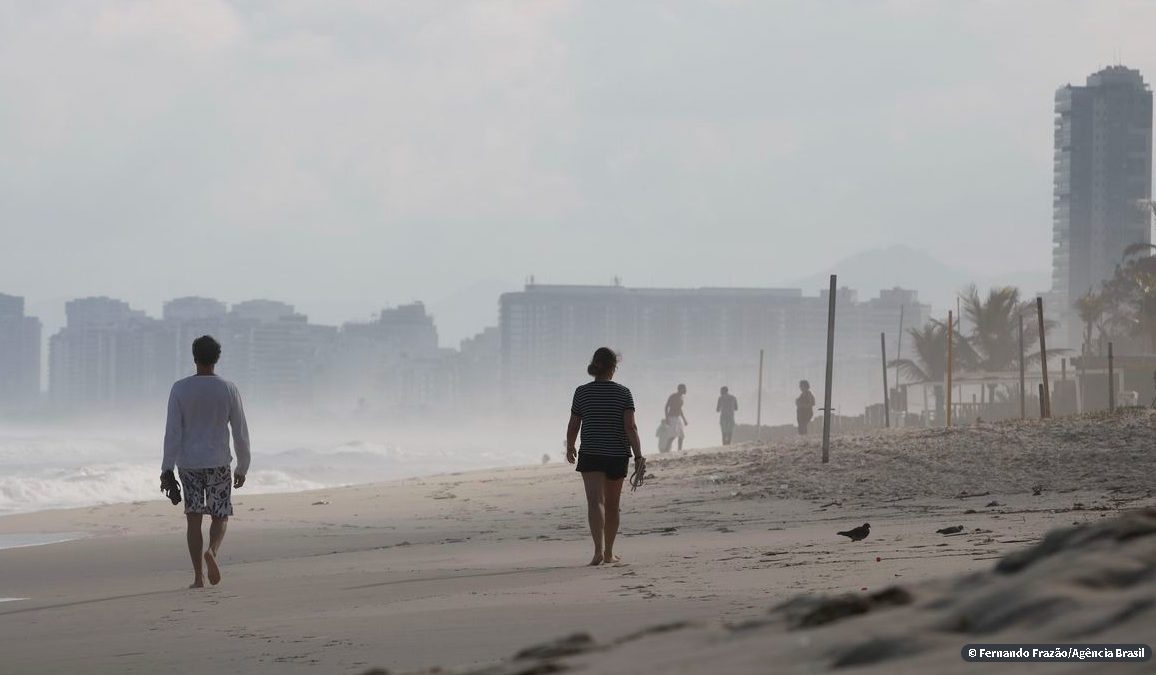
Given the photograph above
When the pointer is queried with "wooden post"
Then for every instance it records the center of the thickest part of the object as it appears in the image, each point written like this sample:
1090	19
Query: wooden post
886	393
1023	386
958	329
1111	380
1081	381
759	414
830	372
950	336
925	417
899	348
1045	402
1041	400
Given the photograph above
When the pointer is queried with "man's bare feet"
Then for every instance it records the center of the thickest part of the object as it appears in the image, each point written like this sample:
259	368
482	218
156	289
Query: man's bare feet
212	568
596	561
199	583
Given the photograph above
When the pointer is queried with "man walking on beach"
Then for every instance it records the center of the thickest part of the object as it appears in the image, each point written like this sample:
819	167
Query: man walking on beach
202	409
674	416
727	405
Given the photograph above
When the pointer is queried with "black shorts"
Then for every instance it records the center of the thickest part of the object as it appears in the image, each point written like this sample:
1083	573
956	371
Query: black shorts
614	467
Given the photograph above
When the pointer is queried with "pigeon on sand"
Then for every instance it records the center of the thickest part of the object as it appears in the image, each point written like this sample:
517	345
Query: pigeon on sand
857	533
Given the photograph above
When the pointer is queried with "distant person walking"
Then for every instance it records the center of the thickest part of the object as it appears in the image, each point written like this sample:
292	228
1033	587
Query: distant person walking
603	411
727	405
804	406
202	409
675	419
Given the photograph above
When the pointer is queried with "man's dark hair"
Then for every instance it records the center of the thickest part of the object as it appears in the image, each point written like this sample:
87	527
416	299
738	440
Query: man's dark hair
206	351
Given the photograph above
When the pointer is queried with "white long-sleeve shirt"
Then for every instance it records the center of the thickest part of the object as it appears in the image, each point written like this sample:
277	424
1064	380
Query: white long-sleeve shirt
202	408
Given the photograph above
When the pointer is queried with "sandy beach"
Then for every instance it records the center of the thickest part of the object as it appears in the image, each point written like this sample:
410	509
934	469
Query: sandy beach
462	571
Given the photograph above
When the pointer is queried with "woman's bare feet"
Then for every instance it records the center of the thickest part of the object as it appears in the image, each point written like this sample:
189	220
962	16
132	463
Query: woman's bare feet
212	568
596	561
611	559
198	583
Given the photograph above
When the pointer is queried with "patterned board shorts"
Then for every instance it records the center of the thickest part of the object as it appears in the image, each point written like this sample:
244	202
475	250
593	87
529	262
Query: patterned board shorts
208	491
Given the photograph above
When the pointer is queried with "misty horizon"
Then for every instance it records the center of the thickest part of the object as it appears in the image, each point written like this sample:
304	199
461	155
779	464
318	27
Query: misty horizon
869	272
465	148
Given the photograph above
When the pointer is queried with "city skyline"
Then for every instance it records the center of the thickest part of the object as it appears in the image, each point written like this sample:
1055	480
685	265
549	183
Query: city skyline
110	354
872	270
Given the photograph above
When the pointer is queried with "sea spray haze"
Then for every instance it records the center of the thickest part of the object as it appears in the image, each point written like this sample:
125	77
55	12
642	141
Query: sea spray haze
49	468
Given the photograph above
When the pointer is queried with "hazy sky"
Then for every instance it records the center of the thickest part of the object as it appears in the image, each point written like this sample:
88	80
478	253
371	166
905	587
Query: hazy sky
343	155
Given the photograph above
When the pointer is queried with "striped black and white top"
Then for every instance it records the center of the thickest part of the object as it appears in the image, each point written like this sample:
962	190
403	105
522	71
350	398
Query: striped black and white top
602	405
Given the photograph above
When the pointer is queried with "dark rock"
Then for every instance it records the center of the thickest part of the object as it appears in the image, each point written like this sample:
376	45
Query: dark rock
1128	526
808	612
996	611
876	650
654	630
571	644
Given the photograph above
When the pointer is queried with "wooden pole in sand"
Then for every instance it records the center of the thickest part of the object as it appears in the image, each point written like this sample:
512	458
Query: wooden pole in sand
1023	389
1041	390
830	372
759	414
886	393
959	329
1046	402
1111	380
899	347
950	331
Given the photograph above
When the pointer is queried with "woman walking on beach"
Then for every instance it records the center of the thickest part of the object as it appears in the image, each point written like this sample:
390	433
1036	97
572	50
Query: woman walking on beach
603	411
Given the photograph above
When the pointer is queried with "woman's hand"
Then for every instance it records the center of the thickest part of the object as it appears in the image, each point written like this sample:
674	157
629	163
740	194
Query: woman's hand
572	430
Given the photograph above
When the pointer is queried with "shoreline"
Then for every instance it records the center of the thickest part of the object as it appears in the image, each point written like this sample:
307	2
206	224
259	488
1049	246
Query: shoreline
11	541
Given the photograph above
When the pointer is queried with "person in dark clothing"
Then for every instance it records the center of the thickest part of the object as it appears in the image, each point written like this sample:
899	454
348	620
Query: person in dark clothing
804	406
727	405
603	411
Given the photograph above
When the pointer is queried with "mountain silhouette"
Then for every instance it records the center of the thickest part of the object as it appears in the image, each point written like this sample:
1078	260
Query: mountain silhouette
899	265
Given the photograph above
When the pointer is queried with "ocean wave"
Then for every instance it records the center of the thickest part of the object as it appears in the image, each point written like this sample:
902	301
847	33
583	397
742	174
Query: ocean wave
91	485
68	469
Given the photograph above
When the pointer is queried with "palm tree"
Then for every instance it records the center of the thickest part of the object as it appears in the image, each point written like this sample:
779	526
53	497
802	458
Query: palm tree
930	363
1134	287
1092	308
995	330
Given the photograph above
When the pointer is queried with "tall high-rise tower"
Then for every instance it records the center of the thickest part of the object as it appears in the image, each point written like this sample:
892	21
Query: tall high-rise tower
1103	183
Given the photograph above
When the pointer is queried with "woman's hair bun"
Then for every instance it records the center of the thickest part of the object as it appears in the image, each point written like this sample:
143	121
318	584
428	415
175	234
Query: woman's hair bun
603	363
